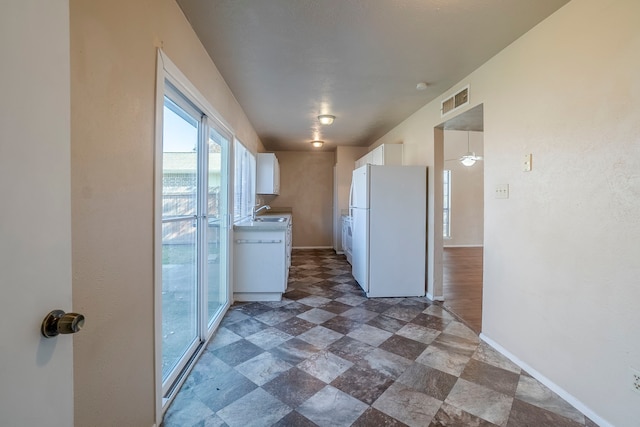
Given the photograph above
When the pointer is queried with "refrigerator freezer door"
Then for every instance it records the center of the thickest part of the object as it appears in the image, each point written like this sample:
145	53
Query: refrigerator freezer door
360	188
360	247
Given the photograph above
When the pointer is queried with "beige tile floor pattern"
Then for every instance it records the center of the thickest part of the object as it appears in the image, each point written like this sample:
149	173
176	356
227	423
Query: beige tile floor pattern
327	356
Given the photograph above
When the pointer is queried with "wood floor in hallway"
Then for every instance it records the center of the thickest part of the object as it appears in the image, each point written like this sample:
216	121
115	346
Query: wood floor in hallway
462	277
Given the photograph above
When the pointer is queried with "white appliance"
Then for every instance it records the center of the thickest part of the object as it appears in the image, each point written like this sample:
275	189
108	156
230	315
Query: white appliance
388	207
347	237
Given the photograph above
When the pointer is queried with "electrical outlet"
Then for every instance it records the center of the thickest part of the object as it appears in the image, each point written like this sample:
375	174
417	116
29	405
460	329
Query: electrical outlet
502	191
635	380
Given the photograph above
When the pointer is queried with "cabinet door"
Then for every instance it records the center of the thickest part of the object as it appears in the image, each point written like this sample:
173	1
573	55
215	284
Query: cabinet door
276	176
260	261
288	249
345	229
377	156
268	174
391	154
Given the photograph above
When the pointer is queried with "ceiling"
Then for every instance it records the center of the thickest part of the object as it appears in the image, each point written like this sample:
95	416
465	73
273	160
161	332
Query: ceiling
287	61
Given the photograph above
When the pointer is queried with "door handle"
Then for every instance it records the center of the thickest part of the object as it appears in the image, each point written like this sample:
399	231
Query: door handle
59	322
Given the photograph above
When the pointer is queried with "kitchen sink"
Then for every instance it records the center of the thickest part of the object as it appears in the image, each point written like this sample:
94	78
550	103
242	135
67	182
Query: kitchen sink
271	219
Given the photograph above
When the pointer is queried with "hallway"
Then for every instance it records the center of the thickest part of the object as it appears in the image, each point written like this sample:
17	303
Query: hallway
327	356
462	284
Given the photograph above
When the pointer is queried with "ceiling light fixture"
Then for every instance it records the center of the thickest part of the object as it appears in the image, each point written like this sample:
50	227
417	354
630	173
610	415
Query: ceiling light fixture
421	86
326	119
317	144
468	159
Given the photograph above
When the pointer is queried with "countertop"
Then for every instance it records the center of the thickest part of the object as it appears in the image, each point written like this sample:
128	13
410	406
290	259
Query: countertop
250	225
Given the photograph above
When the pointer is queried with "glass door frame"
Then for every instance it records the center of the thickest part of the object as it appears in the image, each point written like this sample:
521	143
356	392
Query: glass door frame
167	71
209	322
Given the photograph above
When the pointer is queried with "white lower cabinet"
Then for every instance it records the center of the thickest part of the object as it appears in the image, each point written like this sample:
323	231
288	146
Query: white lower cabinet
260	265
261	261
288	248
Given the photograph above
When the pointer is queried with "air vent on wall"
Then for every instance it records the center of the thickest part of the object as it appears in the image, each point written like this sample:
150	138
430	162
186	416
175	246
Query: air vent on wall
455	101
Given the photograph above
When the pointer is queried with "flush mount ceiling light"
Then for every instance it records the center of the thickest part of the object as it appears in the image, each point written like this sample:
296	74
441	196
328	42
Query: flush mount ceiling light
421	86
326	119
317	144
470	158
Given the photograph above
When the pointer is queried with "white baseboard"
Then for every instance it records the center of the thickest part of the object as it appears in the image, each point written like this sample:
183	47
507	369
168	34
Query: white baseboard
463	246
432	298
340	252
313	247
548	383
257	296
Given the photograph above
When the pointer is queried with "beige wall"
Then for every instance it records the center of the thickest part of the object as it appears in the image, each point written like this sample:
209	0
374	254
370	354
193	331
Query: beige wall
562	299
113	76
467	194
561	254
306	185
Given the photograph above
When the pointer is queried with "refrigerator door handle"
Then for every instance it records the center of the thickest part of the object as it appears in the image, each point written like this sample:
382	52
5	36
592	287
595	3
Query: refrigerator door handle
351	199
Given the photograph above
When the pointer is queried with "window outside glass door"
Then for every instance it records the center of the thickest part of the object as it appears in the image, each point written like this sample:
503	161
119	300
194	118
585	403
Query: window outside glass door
446	202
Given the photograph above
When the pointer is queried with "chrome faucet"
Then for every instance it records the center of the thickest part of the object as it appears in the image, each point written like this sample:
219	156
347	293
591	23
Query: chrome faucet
255	211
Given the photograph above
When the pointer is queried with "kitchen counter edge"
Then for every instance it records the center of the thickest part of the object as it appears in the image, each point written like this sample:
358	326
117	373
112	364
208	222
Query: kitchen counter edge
250	225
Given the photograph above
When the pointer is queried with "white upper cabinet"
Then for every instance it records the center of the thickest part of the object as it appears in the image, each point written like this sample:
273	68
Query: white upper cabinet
363	160
268	174
385	154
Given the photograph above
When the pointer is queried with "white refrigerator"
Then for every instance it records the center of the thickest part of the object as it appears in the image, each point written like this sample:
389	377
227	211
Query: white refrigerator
388	206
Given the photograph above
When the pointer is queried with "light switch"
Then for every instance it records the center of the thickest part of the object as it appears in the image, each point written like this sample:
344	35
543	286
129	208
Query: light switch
526	164
502	191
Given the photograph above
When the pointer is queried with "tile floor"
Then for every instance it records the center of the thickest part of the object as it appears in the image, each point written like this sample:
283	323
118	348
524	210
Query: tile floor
327	356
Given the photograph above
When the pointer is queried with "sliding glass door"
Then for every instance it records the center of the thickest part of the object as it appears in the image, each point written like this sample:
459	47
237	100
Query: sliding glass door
180	331
217	214
194	230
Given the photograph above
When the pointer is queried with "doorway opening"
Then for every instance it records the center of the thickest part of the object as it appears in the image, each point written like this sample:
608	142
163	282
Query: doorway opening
459	200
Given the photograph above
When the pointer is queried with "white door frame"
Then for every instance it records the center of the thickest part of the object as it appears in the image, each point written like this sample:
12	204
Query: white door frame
166	70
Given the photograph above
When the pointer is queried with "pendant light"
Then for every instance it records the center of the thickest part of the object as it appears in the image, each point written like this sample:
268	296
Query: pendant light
469	159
